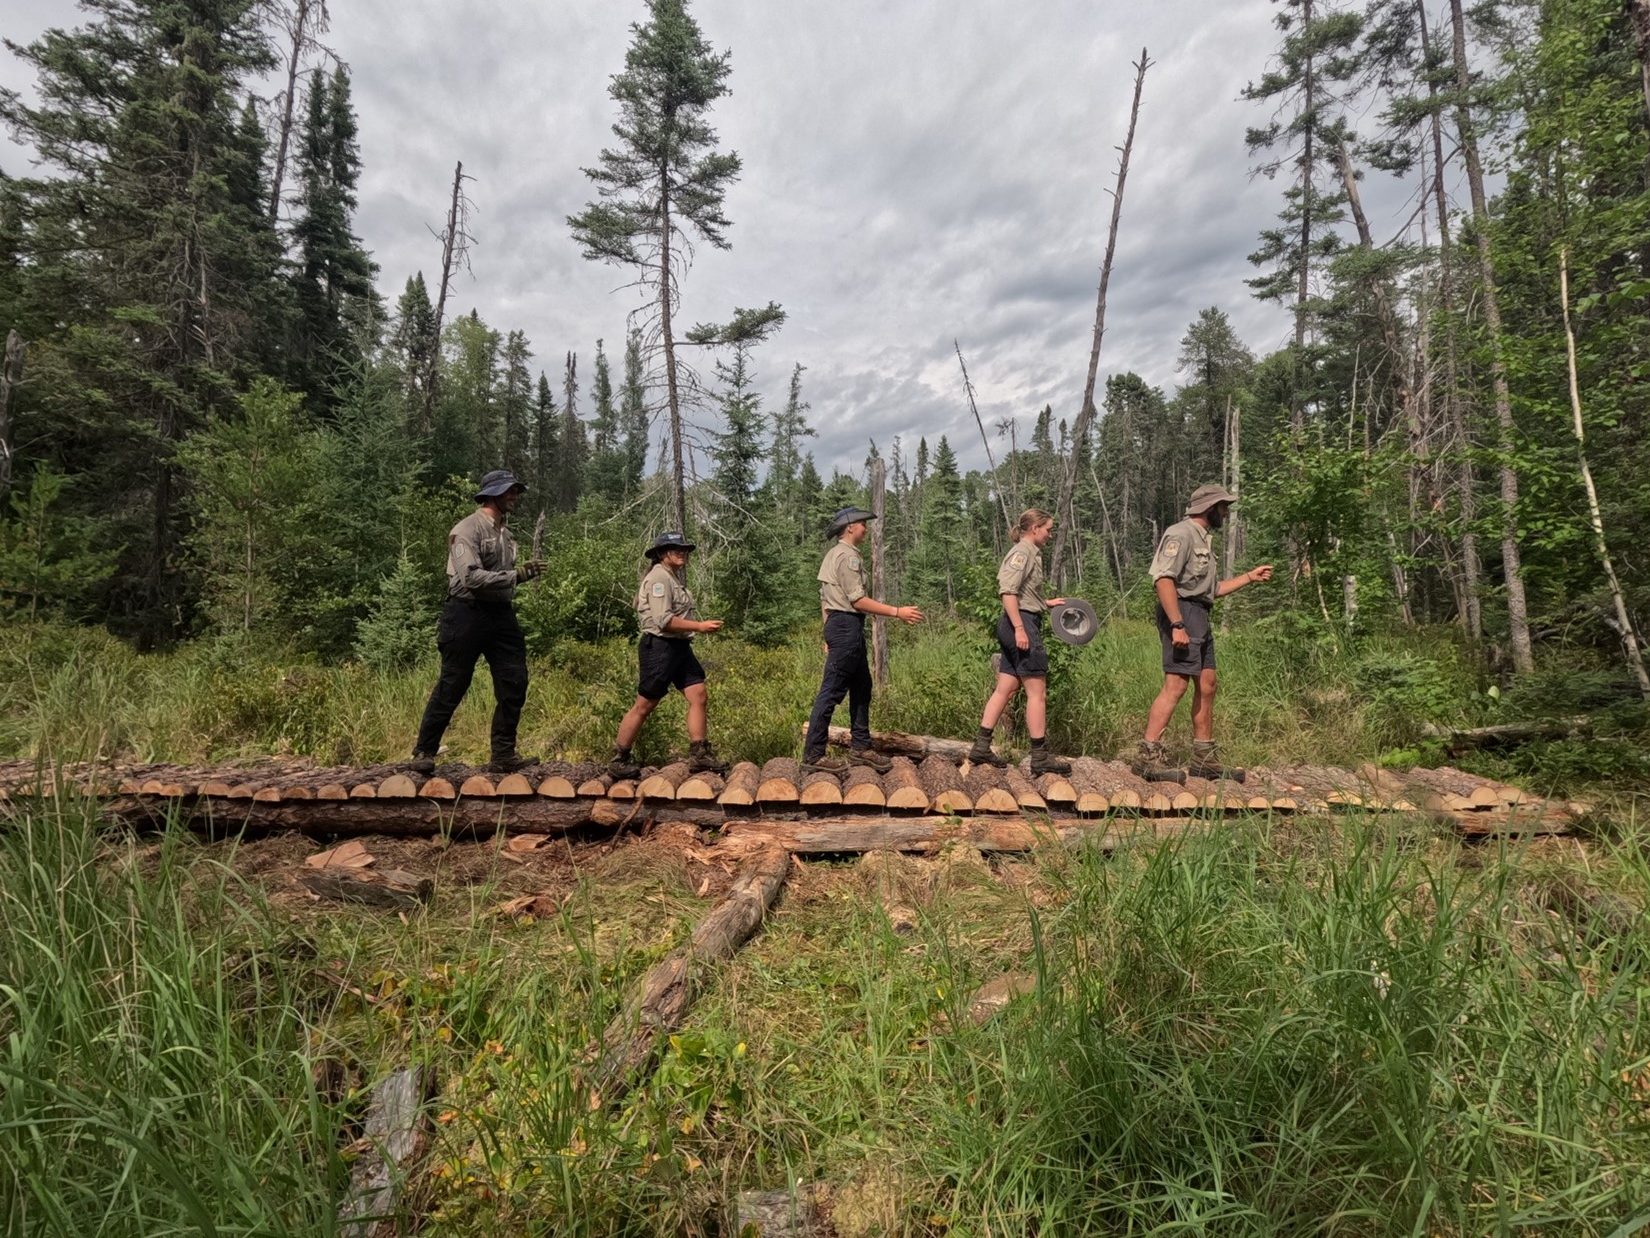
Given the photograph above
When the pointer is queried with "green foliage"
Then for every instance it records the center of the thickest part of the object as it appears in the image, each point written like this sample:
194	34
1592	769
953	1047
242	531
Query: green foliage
399	630
48	560
593	565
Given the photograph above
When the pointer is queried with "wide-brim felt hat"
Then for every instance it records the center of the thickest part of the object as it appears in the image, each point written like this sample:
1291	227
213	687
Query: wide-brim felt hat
668	540
499	481
846	517
1205	497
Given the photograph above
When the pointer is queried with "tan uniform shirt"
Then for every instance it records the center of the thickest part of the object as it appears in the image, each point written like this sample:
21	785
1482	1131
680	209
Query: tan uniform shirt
1021	574
661	597
481	559
841	578
1186	555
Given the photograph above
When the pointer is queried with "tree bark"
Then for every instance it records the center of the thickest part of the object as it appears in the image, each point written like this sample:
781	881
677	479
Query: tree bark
1629	639
1638	12
1064	513
879	575
1297	406
1518	614
452	249
300	40
666	285
397	1129
11	379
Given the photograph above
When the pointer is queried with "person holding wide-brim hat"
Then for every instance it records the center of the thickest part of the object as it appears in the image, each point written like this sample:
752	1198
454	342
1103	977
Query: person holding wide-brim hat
1187	579
843	605
478	620
665	657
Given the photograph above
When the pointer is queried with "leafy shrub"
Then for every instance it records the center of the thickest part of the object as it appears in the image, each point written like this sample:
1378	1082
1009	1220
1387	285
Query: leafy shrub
401	627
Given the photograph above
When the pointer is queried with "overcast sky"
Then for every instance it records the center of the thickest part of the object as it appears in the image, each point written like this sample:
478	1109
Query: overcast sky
914	173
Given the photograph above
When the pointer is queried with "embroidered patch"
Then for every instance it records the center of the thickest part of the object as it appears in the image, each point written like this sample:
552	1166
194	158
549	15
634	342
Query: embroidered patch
658	589
1018	560
1171	546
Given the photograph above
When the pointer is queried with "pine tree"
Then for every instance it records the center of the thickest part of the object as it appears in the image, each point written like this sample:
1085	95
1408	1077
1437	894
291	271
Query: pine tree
515	404
633	416
545	431
666	185
607	468
572	448
411	341
468	437
749	586
938	560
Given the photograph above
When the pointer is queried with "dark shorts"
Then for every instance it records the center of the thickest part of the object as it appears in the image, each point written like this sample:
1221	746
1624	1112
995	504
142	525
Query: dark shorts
666	664
1197	656
1029	663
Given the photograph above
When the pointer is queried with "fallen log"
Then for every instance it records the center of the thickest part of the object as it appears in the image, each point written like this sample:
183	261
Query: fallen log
900	744
632	1038
1457	740
397	1133
394	890
850	836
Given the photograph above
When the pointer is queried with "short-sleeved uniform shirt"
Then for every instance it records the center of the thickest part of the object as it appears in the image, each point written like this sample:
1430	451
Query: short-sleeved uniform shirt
1021	574
1186	556
841	578
661	597
481	560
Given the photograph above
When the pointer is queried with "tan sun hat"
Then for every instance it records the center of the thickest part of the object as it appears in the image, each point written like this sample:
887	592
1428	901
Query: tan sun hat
1205	497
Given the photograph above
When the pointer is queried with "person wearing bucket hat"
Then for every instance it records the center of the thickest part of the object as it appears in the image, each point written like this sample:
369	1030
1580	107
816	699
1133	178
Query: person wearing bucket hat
665	657
1186	575
1020	642
478	620
843	605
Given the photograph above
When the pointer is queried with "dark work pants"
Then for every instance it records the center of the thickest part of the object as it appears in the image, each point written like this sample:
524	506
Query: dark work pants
847	674
468	631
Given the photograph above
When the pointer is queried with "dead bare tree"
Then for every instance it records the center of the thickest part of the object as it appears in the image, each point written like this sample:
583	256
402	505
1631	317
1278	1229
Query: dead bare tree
879	574
303	21
1624	621
11	378
455	250
996	478
1085	417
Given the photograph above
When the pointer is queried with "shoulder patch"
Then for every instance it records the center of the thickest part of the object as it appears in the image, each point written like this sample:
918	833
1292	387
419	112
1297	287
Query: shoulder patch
1171	545
1018	558
658	588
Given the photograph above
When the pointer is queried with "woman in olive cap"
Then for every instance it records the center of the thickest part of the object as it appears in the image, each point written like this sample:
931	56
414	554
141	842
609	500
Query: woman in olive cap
665	657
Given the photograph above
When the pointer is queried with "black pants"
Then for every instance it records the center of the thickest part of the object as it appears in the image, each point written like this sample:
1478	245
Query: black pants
847	674
471	630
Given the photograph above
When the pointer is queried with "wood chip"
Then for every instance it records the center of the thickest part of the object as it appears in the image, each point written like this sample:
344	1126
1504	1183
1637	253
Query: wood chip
351	854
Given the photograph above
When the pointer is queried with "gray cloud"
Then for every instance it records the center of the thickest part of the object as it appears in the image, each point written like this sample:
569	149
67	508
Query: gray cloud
913	174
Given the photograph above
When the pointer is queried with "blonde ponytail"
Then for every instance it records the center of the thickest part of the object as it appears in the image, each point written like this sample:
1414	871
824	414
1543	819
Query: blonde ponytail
1031	518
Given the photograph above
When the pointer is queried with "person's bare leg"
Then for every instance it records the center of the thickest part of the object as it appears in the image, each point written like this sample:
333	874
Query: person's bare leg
1162	710
1007	686
631	725
697	725
1037	708
1203	706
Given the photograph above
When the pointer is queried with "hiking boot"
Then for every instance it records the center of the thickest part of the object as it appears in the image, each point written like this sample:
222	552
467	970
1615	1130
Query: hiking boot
1151	762
621	768
1045	762
870	758
509	763
982	754
422	763
702	759
824	765
1206	763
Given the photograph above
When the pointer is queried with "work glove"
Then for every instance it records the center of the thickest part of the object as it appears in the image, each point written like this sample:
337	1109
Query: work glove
529	570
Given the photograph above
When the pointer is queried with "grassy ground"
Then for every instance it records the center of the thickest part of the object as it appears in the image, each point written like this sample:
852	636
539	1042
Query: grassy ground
1275	1028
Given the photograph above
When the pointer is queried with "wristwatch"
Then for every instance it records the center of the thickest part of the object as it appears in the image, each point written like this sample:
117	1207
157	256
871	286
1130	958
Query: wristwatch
1181	626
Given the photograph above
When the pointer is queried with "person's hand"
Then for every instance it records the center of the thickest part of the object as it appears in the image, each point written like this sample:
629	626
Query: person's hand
1262	573
908	614
1180	639
710	625
1057	601
1022	642
529	570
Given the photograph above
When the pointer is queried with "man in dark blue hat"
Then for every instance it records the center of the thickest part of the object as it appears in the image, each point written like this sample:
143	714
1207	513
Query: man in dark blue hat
479	621
843	605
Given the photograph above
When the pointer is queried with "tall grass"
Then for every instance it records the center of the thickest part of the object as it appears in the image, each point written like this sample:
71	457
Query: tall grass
155	1076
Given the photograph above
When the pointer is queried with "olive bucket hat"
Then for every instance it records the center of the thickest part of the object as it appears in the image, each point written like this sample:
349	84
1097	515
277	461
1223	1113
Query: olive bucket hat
668	540
499	481
1205	497
846	517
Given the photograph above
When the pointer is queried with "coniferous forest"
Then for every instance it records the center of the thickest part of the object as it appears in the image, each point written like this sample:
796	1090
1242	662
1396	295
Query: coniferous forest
233	441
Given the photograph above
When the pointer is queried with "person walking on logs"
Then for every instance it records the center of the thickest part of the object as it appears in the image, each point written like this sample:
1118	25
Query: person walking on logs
478	620
1020	638
665	657
843	605
1186	577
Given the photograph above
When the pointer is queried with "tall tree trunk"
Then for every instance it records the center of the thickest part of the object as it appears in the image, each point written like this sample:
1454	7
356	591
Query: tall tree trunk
996	478
879	575
1065	516
1297	408
454	242
1638	12
1383	306
11	378
1472	572
677	479
1624	621
301	38
1518	615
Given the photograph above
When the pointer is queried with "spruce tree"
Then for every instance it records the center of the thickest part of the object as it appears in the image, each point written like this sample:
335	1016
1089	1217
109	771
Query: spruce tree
515	405
572	448
411	341
545	430
633	416
606	470
749	585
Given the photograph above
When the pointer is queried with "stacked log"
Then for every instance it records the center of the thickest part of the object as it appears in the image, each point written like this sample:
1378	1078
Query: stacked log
903	788
899	744
1056	789
780	777
820	789
662	783
704	787
744	780
944	785
863	787
1025	792
988	790
1091	787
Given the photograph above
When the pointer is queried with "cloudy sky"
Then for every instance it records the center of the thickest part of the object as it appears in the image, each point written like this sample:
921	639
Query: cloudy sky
914	173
